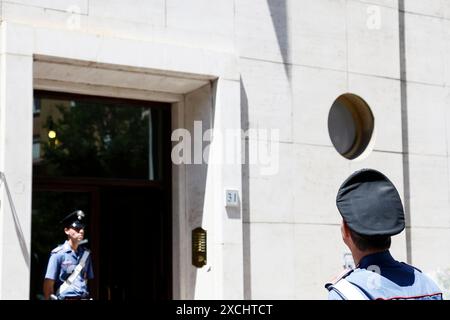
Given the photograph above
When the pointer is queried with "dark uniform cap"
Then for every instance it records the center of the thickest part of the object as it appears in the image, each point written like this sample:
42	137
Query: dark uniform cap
74	220
370	204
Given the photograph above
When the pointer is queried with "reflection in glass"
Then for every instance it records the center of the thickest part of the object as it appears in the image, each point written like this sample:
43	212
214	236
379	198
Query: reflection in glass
97	138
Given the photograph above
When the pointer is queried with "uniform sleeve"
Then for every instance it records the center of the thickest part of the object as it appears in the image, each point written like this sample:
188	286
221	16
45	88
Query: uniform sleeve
52	267
333	295
89	269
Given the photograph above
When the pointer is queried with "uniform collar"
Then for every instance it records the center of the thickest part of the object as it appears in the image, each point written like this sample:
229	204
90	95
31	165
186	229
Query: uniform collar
383	258
399	273
68	248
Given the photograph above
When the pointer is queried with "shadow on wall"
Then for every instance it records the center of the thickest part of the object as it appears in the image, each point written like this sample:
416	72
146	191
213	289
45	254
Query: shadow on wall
246	196
199	112
405	130
278	13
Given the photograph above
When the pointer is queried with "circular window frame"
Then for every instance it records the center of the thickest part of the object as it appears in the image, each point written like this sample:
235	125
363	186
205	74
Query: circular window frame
363	121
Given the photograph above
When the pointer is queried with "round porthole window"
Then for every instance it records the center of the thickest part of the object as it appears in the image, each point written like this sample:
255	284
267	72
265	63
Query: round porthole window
350	125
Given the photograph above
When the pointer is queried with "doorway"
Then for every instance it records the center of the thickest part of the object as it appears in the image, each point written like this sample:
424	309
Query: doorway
111	159
137	254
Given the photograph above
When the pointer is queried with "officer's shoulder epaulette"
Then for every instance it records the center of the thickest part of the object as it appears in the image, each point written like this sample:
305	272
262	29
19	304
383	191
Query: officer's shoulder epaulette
57	249
340	276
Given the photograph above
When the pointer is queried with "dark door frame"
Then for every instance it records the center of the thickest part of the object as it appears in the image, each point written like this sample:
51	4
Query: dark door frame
94	185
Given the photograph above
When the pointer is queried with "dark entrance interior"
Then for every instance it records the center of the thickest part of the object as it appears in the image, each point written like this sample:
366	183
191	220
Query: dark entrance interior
139	242
118	172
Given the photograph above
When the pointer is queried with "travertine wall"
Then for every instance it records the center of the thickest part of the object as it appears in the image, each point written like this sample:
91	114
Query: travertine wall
295	58
427	46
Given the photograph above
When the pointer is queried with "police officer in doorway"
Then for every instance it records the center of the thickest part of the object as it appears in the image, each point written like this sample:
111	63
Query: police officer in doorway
70	264
372	212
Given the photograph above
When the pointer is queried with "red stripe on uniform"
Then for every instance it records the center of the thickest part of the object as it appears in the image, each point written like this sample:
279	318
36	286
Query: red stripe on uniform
412	297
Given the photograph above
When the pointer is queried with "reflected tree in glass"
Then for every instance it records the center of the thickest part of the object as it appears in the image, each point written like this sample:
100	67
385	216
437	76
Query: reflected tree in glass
98	140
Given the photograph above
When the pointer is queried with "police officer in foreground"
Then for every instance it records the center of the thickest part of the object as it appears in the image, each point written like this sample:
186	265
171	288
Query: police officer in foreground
372	212
70	264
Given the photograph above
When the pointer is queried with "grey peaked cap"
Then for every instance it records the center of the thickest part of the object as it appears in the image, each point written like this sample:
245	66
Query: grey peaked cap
370	204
